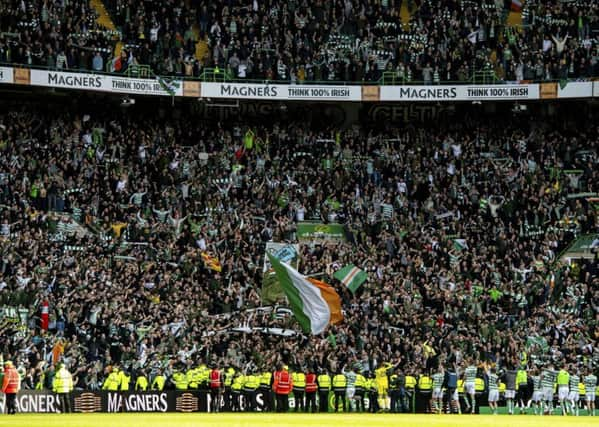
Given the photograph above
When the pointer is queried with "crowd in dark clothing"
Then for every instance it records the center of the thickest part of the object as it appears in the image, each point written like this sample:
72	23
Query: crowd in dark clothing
295	41
108	218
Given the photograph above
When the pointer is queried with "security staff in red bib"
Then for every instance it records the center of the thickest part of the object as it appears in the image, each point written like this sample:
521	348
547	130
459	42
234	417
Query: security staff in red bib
215	383
311	388
282	386
11	384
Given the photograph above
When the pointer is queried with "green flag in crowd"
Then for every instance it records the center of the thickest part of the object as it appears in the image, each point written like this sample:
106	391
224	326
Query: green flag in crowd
351	276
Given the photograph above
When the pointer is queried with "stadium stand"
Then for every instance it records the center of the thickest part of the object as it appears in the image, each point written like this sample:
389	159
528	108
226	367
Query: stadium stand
459	227
309	41
142	216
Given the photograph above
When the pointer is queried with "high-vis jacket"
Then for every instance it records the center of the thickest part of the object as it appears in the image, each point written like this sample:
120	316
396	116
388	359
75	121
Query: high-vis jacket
125	381
299	380
339	382
265	379
180	381
229	375
158	383
324	382
141	384
360	383
113	381
63	381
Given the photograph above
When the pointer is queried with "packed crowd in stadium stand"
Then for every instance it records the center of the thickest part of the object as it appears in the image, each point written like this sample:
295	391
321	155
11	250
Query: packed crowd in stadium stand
106	217
303	41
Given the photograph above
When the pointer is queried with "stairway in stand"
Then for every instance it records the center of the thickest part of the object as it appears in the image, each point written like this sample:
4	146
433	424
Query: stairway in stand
105	21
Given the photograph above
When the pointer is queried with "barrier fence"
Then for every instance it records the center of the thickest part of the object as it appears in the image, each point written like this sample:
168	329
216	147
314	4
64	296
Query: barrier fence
43	401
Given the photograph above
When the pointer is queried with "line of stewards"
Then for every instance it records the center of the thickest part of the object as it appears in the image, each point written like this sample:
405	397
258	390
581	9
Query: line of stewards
282	386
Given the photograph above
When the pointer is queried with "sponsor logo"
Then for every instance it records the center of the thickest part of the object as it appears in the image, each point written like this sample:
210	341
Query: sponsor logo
71	80
428	93
497	92
38	402
151	402
258	91
318	92
187	402
87	402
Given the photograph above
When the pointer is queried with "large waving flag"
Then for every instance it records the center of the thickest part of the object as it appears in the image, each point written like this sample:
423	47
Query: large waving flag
351	276
314	303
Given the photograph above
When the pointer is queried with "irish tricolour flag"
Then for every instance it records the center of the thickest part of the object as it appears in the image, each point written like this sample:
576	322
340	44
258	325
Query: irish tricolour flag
351	276
314	303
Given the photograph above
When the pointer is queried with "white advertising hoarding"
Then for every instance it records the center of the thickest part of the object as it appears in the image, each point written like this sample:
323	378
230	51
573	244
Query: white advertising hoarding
6	75
101	82
281	92
459	93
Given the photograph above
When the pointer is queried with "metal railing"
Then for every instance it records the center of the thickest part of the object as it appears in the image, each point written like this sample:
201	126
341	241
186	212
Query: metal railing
225	75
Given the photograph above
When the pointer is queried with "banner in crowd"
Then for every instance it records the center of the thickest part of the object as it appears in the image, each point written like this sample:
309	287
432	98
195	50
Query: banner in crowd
281	92
271	287
460	93
105	83
320	232
14	315
351	276
6	75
